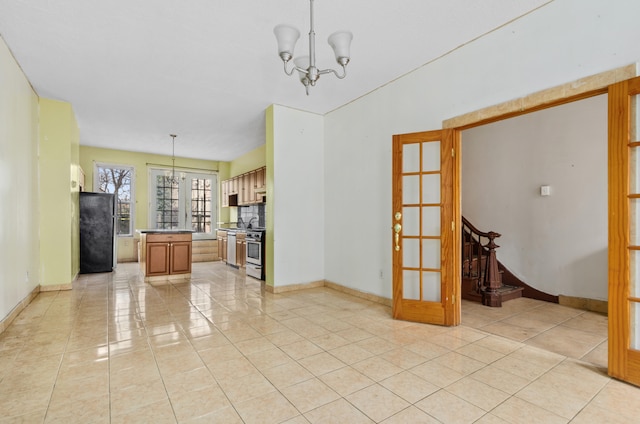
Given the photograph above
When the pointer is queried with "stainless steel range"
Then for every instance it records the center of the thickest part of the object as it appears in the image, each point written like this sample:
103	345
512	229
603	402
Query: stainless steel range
255	253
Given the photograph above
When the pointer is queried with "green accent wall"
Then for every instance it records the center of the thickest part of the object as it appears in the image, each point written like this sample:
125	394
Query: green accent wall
249	161
269	162
59	140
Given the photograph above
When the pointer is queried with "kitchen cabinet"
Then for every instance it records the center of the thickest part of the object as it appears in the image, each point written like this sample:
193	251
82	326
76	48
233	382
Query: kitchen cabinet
246	185
222	245
245	189
241	249
233	186
224	189
261	180
165	255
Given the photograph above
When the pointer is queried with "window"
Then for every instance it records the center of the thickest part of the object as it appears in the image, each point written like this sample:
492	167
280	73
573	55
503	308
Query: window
186	202
117	179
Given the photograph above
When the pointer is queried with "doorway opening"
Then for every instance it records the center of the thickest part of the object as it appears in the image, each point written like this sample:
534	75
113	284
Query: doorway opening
540	180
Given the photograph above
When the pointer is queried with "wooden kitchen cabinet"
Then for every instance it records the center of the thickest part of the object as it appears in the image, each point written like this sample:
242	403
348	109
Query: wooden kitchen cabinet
246	195
165	254
241	249
222	245
224	189
180	258
245	189
260	179
233	186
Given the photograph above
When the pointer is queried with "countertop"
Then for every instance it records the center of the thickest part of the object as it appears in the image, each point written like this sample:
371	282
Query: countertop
156	231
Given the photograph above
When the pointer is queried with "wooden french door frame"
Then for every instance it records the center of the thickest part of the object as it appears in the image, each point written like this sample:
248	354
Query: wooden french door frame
624	231
624	362
415	298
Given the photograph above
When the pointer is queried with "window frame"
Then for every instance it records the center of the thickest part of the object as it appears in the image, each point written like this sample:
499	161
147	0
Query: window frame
132	200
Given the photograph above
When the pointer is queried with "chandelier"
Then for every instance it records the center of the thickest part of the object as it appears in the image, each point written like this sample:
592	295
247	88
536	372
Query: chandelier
287	37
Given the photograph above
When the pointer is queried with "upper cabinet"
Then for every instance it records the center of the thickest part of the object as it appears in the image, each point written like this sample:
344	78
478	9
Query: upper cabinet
245	189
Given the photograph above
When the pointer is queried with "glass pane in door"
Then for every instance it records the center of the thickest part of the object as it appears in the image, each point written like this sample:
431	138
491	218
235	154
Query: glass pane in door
431	156
410	253
411	285
431	286
431	221
634	332
411	158
431	188
411	189
411	221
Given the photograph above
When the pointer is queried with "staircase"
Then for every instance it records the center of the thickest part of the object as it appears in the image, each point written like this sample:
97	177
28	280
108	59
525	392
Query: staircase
481	273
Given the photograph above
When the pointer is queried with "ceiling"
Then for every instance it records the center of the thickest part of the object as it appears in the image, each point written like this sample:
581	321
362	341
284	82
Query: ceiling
136	71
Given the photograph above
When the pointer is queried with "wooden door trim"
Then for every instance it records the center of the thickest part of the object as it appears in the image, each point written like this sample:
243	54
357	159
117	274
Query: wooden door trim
582	88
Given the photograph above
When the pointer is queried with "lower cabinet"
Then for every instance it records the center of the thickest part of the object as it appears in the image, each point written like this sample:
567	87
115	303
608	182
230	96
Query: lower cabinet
241	249
222	245
180	258
166	254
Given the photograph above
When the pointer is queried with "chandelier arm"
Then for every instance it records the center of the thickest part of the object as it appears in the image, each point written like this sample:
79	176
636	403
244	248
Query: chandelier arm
289	73
295	68
334	72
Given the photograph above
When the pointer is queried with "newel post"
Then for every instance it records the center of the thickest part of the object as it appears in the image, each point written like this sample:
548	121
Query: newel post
490	294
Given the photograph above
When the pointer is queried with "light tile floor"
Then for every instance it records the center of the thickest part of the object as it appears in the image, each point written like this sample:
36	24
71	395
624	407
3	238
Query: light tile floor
221	350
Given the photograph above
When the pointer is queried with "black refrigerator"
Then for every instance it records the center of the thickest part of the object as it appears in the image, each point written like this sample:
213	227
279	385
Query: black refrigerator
97	232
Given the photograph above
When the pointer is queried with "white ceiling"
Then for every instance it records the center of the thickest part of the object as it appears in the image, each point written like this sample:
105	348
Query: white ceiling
137	70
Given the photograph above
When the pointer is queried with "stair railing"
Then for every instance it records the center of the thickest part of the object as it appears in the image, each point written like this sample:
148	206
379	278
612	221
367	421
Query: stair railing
488	277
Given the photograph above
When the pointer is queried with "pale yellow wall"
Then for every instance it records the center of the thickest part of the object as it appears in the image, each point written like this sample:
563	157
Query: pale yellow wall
20	206
141	163
270	189
74	169
249	161
58	144
245	163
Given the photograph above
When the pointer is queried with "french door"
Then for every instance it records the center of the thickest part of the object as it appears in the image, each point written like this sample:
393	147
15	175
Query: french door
624	231
184	202
425	238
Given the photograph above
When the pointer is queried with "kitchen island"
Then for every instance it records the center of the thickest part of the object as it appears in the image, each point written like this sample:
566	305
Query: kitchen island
165	255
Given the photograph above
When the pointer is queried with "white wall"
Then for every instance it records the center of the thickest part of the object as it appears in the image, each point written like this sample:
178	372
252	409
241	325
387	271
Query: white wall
298	197
19	207
557	244
558	43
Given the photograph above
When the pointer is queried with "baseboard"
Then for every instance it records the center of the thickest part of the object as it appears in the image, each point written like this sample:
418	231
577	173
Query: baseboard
294	287
357	293
593	305
56	287
6	321
160	280
331	285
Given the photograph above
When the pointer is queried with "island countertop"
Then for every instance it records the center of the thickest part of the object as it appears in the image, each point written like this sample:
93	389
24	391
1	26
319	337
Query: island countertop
160	231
